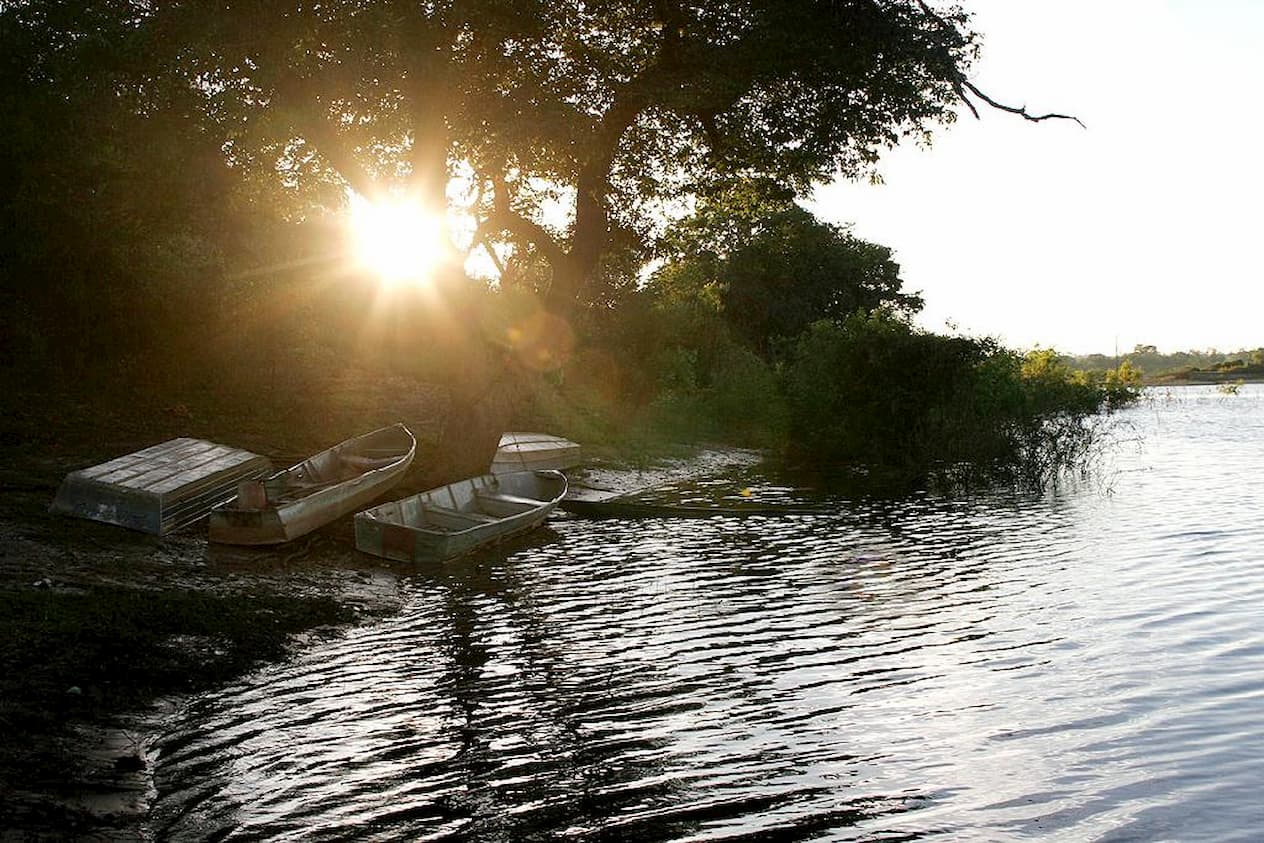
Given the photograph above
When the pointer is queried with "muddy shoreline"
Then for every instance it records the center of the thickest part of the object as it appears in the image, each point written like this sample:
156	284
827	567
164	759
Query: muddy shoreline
82	761
98	624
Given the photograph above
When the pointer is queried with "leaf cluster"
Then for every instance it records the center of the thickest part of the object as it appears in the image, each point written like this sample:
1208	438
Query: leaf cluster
773	269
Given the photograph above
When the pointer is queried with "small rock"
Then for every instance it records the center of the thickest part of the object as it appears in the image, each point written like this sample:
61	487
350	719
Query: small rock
75	690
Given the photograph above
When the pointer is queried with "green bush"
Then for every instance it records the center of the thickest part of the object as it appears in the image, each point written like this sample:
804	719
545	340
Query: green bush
877	392
746	401
735	397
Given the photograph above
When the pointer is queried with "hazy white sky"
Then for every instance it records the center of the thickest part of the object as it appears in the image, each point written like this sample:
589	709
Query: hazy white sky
1142	228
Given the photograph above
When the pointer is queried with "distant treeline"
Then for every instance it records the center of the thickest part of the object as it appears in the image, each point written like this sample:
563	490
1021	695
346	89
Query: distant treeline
1209	366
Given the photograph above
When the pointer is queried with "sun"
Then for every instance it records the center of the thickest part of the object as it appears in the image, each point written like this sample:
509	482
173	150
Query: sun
397	240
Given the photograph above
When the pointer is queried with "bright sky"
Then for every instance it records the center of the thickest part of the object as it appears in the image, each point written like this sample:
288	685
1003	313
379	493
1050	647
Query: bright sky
1141	229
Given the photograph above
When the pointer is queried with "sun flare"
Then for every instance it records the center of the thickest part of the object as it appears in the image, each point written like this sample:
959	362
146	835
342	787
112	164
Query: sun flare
397	240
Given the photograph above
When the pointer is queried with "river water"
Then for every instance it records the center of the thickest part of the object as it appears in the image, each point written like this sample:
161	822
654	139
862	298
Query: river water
1083	665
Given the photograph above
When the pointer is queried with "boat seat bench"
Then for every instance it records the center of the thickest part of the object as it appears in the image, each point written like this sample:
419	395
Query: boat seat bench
471	518
504	498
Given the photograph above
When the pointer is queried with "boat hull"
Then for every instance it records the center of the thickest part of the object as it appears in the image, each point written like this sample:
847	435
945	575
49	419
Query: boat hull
160	489
534	452
325	487
448	522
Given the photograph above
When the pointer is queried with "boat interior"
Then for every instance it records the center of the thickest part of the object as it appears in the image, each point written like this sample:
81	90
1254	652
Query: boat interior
463	506
379	449
484	507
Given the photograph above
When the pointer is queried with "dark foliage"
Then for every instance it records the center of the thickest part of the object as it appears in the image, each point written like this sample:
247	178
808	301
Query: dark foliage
114	209
772	268
874	391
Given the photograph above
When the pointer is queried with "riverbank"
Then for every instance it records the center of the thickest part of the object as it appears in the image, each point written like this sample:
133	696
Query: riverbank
103	629
1204	379
98	623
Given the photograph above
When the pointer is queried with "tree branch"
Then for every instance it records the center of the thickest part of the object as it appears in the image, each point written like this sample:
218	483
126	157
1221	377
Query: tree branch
309	117
504	218
963	86
485	240
1021	111
482	237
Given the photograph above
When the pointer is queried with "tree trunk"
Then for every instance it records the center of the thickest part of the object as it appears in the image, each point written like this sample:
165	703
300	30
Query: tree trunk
566	280
471	431
482	396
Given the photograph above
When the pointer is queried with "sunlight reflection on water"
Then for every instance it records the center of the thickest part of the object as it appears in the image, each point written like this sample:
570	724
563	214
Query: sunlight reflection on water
1081	665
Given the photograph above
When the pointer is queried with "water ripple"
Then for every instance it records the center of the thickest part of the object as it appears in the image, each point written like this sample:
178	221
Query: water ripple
1084	665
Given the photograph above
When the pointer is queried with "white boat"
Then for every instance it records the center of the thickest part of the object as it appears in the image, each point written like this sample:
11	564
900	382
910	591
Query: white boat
534	451
453	520
322	488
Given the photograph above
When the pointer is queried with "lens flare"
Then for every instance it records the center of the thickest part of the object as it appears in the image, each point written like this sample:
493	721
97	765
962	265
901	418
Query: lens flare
397	240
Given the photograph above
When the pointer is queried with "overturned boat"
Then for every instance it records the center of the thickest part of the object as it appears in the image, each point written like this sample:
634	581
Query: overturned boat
160	489
534	451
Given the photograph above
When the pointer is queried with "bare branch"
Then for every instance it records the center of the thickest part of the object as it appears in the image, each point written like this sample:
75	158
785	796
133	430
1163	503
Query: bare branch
1020	111
485	241
963	86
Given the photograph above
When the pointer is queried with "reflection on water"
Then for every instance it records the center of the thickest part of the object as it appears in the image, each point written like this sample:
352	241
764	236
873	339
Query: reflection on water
1084	665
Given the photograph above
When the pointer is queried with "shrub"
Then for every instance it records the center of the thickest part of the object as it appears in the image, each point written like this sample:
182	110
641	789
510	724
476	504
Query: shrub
875	391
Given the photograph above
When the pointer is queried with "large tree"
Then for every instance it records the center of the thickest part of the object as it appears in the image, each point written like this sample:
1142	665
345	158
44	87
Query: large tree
573	124
618	108
772	268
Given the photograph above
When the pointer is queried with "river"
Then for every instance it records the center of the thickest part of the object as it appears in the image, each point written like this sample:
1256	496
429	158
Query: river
1087	664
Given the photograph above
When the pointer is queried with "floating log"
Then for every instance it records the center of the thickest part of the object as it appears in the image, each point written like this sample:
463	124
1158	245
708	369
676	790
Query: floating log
594	503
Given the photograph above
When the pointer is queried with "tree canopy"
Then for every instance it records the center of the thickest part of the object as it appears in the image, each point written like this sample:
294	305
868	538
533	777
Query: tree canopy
610	111
772	268
114	206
